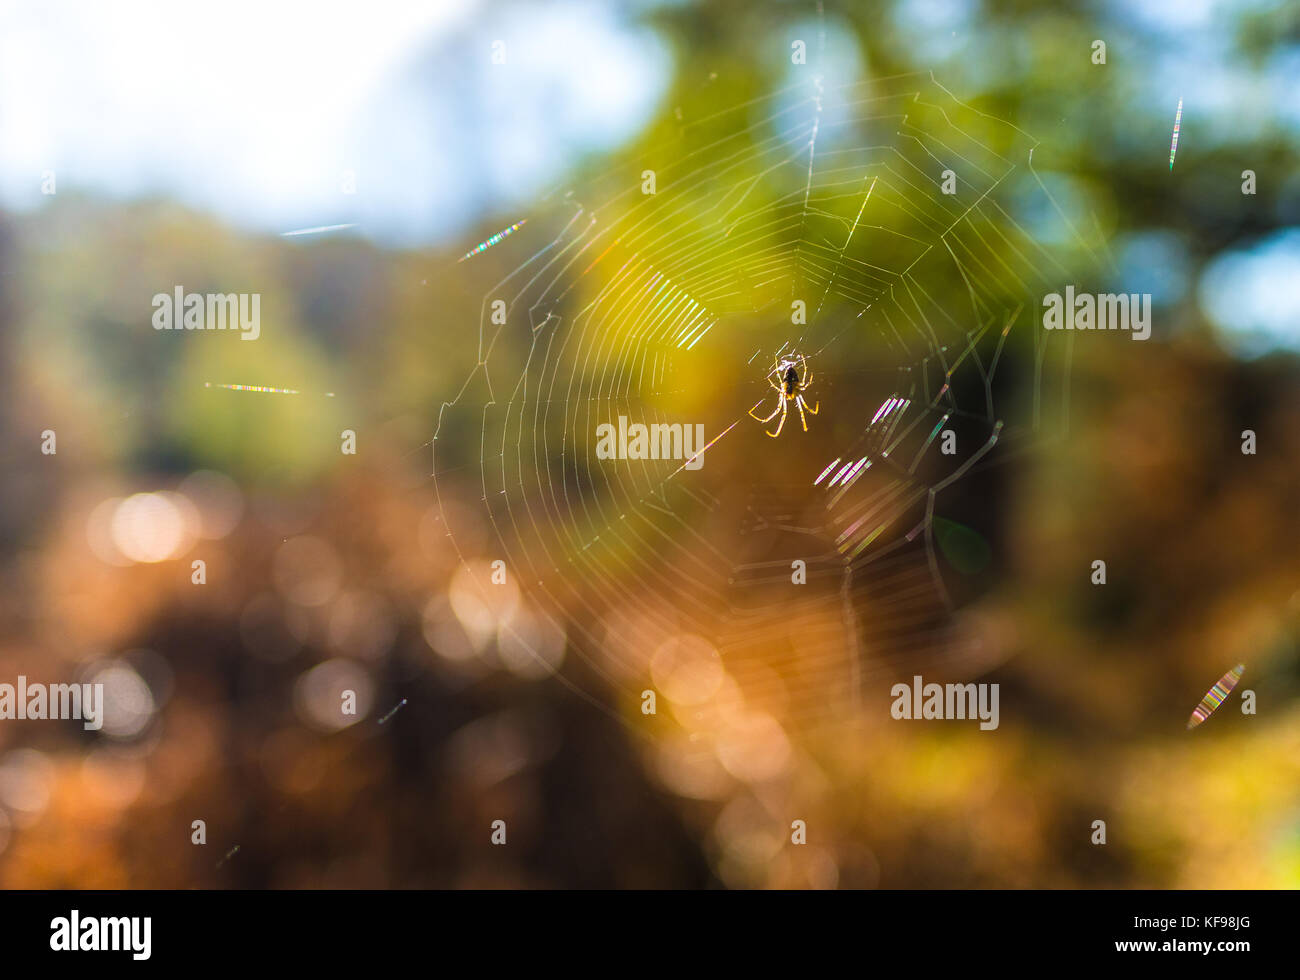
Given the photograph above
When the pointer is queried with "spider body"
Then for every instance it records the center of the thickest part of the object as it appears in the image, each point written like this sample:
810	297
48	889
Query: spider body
789	378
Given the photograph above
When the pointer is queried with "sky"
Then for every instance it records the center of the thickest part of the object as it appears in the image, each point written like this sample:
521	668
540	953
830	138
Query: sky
289	114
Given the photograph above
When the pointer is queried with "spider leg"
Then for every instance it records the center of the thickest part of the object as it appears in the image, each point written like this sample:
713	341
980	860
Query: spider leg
799	402
780	425
769	418
811	409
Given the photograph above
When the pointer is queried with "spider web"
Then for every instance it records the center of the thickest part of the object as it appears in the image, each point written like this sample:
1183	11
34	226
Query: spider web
919	317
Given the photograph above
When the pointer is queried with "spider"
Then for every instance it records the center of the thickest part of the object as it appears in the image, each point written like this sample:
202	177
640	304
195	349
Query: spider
789	384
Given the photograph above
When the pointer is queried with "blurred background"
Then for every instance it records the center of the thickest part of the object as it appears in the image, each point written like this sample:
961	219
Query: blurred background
153	146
